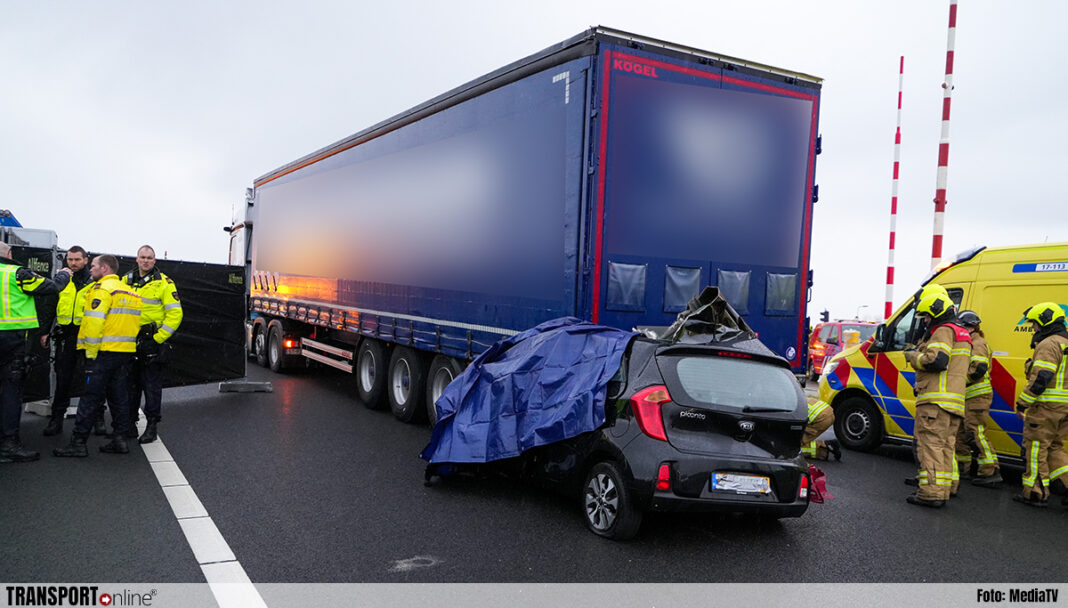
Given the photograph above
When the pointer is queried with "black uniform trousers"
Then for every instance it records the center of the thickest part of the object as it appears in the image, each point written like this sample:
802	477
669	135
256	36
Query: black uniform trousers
107	378
67	360
146	379
12	355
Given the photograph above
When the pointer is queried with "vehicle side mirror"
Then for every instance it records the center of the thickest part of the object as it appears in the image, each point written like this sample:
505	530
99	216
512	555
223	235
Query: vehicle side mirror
878	344
832	340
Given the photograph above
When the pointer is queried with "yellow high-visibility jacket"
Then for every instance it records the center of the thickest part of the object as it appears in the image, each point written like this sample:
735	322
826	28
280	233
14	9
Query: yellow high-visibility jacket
159	301
72	299
111	319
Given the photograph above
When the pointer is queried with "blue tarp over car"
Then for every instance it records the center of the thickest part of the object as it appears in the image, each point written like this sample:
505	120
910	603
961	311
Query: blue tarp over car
537	387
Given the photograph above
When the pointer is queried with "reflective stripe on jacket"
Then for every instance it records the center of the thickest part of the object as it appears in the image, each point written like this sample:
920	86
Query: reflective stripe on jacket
71	303
1049	356
944	388
18	311
980	355
159	301
112	318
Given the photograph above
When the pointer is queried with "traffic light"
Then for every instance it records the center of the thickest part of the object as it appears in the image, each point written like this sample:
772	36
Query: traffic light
825	316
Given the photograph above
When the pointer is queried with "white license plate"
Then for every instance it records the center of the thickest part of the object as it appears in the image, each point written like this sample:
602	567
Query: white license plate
742	484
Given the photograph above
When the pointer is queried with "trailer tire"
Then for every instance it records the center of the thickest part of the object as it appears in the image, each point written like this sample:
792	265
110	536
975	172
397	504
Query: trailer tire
259	344
858	424
406	385
371	373
275	348
442	371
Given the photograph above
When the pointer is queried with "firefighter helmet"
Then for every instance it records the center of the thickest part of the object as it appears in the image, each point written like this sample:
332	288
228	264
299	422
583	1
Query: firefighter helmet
968	318
1045	313
934	305
931	289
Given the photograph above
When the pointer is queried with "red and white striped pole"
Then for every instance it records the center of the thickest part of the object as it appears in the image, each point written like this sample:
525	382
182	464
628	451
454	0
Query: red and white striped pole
893	196
943	143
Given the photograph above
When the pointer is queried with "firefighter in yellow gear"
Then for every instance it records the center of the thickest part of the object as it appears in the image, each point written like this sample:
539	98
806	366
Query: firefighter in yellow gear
941	362
978	396
160	317
820	418
108	336
1043	405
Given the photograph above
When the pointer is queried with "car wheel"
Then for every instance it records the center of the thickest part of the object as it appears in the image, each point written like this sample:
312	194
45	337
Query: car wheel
371	373
406	385
607	505
274	348
858	424
812	372
442	371
259	345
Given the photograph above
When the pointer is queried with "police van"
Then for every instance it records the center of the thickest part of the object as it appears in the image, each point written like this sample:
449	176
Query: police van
870	385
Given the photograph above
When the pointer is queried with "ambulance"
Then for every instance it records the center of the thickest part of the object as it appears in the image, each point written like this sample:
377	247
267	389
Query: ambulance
870	386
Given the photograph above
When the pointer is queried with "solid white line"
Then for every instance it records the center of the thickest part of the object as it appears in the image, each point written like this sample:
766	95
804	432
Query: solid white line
226	578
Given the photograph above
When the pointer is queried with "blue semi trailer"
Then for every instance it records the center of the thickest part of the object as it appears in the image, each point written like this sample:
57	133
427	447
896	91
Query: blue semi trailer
609	177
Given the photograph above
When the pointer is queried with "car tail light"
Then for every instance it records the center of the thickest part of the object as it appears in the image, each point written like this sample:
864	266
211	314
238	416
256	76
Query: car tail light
289	343
663	477
646	405
803	492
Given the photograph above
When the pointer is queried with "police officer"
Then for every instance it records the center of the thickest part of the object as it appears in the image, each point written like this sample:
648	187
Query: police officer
108	335
941	363
1043	405
160	317
18	317
68	320
820	418
978	395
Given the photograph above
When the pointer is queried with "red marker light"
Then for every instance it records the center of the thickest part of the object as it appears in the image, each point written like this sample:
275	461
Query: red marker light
803	492
289	343
663	477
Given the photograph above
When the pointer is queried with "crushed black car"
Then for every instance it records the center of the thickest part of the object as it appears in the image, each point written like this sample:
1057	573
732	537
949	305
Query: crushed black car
700	416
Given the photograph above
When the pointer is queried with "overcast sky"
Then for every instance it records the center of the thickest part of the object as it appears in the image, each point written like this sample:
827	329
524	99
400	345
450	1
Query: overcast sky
130	122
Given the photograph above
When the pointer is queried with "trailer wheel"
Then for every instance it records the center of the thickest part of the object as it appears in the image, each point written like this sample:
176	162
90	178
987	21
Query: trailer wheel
442	371
275	352
259	344
407	384
371	373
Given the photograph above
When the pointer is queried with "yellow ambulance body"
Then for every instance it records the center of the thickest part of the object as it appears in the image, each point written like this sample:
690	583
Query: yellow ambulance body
870	385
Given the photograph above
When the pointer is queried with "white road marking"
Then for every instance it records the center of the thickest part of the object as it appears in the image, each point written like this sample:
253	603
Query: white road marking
419	561
229	583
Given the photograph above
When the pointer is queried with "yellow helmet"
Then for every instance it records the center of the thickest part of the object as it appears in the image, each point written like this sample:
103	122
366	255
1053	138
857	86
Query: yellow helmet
931	289
934	305
1045	313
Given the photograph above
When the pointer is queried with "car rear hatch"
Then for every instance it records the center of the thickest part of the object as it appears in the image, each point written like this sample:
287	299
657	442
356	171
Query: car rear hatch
732	403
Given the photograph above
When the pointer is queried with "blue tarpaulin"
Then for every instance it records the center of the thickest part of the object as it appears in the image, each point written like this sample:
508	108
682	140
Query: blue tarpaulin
537	387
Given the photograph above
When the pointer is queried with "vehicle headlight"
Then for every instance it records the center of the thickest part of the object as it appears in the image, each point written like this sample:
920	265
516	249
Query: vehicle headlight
828	369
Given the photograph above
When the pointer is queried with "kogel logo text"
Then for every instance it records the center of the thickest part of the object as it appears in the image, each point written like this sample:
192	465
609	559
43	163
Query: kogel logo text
634	68
49	595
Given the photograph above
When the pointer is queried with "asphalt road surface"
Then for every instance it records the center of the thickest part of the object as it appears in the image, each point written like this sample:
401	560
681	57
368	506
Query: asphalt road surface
305	484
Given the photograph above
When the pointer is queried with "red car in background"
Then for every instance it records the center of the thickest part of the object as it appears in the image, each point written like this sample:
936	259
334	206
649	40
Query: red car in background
828	339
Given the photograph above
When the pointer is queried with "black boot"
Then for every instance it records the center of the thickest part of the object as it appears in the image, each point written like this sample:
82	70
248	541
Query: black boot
925	502
99	428
835	448
150	433
75	449
12	450
116	446
55	426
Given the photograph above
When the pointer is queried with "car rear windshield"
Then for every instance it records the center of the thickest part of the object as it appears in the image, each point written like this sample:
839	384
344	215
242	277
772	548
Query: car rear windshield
738	383
866	331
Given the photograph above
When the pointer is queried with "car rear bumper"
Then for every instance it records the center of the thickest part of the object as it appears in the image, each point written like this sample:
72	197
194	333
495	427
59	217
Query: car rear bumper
691	487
